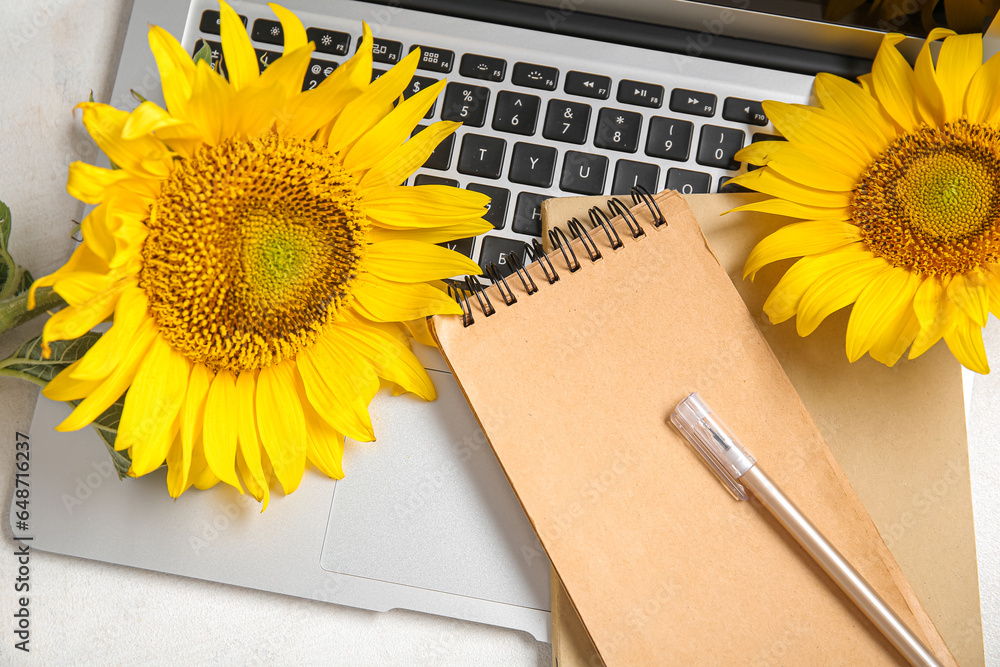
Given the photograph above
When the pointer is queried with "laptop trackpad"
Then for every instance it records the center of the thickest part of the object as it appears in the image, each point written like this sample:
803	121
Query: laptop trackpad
429	506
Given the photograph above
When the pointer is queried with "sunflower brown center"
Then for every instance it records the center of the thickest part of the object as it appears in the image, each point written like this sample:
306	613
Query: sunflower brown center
252	249
931	201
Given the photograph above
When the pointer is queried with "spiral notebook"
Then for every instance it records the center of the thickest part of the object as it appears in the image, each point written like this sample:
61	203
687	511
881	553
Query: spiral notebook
573	385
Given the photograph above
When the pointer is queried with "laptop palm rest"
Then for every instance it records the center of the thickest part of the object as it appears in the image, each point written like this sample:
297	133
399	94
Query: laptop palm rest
432	506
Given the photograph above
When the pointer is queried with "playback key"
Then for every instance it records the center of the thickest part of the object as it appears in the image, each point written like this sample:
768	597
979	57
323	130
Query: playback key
693	102
640	94
588	85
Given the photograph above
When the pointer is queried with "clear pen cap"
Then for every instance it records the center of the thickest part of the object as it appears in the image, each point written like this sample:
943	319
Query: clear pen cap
710	436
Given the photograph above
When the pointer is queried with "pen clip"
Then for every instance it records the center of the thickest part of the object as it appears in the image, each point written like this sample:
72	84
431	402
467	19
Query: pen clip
710	436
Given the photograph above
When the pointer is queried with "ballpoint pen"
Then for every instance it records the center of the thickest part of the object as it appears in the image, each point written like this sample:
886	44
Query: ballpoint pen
739	472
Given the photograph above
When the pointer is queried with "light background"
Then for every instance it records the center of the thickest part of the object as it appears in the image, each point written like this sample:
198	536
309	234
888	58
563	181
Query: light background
53	54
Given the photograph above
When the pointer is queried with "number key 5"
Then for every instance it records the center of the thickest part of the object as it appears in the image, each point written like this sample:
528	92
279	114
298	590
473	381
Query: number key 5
465	104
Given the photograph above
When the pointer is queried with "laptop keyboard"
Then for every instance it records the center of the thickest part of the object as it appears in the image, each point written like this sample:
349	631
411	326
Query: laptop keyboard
534	128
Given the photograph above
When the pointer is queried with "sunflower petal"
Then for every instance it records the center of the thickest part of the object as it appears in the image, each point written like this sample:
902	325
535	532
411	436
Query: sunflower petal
982	99
192	420
800	166
281	423
893	83
965	340
783	301
365	111
776	185
834	291
176	68
109	350
790	209
936	313
799	239
385	301
881	301
896	336
325	446
440	234
241	59
824	131
391	358
220	429
151	406
391	131
291	27
961	57
413	261
930	99
855	107
248	458
110	390
339	386
970	293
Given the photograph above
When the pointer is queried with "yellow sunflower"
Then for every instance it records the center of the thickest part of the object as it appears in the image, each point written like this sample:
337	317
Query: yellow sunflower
897	184
259	257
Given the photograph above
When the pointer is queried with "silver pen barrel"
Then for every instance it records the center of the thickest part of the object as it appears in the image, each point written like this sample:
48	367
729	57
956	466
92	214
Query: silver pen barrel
835	565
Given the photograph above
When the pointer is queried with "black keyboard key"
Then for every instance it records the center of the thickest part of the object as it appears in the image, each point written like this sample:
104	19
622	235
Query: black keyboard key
463	246
496	210
669	138
482	67
688	182
535	76
717	147
317	72
494	249
267	31
465	104
265	58
528	214
567	121
481	156
692	102
588	85
744	111
641	94
218	63
435	60
424	179
329	41
531	164
516	112
385	50
583	173
728	188
441	157
211	22
377	73
629	174
417	84
618	130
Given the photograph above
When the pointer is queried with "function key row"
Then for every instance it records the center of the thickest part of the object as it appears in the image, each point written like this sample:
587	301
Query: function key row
489	68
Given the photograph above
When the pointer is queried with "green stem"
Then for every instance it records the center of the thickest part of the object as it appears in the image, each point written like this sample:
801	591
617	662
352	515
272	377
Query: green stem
14	312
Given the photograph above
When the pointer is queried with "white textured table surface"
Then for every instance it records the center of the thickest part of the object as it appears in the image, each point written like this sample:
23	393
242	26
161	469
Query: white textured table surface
54	53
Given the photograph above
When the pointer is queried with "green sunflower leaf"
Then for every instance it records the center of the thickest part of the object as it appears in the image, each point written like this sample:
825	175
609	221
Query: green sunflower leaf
9	270
204	53
28	364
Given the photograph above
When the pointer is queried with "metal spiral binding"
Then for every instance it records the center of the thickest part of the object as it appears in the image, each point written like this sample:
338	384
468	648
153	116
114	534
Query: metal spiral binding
558	238
522	273
493	273
580	232
598	218
538	255
640	193
618	208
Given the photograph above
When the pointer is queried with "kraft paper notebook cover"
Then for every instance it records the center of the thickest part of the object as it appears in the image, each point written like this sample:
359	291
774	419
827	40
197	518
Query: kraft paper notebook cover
573	387
908	461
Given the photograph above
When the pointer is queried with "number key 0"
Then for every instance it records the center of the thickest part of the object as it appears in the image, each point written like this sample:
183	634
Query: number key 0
717	147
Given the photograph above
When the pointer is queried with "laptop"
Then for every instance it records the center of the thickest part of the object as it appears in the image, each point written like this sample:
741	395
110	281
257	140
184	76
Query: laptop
559	97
